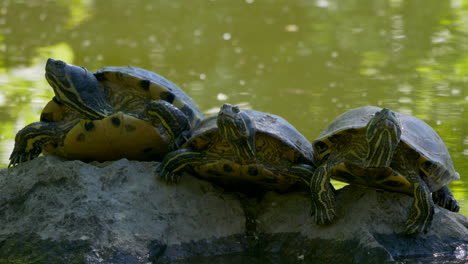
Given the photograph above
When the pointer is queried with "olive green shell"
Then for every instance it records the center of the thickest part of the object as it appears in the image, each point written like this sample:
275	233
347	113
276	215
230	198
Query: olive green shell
269	124
415	133
156	87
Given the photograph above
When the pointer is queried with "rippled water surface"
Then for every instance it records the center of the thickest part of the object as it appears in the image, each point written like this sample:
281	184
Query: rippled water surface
307	61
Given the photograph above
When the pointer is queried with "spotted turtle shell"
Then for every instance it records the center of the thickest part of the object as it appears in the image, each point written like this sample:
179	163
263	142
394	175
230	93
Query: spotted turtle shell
107	142
151	85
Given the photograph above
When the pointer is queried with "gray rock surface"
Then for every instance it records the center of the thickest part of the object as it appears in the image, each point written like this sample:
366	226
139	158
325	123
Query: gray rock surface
55	211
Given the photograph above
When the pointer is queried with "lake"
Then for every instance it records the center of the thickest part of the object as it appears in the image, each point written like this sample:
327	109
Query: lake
307	61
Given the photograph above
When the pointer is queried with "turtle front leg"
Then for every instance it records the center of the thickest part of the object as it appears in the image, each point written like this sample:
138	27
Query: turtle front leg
422	210
302	171
445	198
174	162
30	140
172	118
322	195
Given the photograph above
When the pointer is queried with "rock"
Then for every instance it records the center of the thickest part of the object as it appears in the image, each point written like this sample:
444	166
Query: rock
55	211
369	229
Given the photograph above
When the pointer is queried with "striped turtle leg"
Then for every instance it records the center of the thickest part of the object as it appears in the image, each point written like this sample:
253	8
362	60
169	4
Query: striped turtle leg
422	210
302	171
30	140
172	118
322	194
174	162
445	198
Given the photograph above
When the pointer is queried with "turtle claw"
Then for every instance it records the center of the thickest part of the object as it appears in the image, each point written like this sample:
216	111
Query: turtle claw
171	178
21	153
452	205
167	176
448	203
445	199
16	158
12	165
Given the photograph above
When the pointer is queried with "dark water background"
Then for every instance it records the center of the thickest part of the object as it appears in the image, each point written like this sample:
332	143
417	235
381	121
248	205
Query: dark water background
307	61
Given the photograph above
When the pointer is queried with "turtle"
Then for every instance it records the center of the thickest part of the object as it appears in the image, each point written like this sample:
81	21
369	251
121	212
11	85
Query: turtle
380	148
240	147
113	113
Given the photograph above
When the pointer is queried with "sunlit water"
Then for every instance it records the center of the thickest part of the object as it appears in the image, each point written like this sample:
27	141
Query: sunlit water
307	61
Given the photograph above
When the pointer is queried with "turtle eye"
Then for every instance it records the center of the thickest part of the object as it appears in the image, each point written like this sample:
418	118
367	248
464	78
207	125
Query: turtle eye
235	109
60	64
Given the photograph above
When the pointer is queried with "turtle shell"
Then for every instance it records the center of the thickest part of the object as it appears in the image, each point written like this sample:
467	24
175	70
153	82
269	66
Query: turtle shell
105	119
114	137
266	123
416	134
55	111
131	137
121	82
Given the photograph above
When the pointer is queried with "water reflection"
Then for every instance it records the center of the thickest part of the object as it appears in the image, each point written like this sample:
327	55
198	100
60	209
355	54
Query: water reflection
305	61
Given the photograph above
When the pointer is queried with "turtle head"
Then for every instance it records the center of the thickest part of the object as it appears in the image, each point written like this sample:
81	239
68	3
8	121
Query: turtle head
383	135
238	129
77	88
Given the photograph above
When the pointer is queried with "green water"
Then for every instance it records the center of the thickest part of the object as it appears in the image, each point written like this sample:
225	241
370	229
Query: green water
307	61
